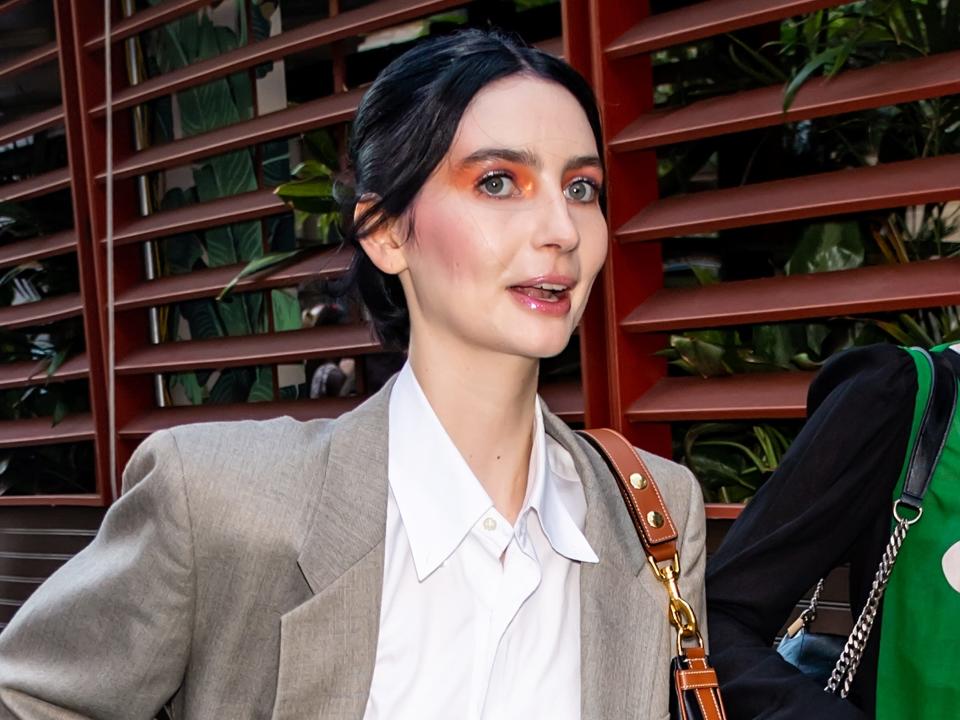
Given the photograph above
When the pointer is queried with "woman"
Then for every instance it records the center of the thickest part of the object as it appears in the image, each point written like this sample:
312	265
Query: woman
447	550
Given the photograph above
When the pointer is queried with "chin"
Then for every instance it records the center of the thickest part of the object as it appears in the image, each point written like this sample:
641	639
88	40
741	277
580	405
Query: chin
542	345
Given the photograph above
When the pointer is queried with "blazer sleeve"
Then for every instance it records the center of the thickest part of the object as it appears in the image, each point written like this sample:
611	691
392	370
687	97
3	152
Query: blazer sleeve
108	635
818	510
693	555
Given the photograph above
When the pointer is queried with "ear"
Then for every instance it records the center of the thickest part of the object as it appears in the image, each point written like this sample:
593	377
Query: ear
384	246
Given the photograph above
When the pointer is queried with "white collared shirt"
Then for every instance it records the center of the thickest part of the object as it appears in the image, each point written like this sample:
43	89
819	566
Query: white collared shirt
464	636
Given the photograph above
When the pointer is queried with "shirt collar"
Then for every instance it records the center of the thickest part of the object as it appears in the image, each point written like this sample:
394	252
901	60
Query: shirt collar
440	499
555	494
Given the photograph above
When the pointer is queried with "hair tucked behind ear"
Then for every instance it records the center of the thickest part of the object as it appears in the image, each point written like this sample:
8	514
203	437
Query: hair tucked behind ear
404	127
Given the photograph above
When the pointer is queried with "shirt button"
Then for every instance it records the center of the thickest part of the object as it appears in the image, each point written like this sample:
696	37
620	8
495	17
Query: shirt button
489	524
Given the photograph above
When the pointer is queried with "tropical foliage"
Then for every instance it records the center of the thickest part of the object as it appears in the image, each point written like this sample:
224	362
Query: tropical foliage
61	468
731	459
221	102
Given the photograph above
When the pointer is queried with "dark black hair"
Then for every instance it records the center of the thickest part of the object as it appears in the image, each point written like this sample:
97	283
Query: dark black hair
404	127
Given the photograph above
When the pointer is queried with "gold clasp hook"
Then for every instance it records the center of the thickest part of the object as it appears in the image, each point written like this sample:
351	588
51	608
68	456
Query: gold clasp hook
682	616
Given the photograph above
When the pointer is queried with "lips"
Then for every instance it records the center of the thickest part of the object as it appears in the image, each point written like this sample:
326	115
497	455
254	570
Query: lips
549	295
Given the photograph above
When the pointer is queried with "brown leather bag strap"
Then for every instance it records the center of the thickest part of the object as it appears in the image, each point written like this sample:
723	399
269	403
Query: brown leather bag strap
695	693
640	493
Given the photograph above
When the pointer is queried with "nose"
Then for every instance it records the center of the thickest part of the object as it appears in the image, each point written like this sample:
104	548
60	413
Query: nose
556	227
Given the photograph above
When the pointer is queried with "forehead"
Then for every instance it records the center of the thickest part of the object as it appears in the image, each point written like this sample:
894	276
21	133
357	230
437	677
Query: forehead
525	112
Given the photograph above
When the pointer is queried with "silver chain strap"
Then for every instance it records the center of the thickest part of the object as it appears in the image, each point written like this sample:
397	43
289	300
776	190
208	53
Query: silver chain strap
810	614
849	661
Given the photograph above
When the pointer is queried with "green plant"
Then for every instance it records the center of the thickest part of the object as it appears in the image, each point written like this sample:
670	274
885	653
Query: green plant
311	195
864	33
732	460
63	468
202	109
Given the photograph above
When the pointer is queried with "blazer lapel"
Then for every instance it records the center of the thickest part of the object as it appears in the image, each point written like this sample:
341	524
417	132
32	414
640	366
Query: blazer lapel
328	644
623	617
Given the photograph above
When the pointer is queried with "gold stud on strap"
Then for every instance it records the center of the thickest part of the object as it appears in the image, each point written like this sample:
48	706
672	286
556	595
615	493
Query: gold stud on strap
655	519
638	481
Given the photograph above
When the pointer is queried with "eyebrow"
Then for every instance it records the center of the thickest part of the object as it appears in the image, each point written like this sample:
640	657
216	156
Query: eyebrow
525	157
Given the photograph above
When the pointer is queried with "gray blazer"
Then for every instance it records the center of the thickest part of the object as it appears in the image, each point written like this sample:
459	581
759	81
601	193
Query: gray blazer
240	574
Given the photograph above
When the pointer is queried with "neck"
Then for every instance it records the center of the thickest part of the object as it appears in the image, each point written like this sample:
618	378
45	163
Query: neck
485	402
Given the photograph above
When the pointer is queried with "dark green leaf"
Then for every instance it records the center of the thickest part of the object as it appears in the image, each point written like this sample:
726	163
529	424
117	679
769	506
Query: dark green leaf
826	247
286	311
202	319
192	388
60	411
818	61
262	388
259	265
232	386
706	358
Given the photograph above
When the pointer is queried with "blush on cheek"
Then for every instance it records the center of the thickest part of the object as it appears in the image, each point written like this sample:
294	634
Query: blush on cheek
439	237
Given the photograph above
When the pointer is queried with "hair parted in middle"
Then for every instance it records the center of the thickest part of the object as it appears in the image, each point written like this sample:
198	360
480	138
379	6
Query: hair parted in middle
404	126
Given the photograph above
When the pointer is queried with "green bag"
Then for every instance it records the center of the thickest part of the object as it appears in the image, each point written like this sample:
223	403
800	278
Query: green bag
918	674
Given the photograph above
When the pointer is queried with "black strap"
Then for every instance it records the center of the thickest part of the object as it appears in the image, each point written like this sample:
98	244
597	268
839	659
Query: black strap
933	428
953	357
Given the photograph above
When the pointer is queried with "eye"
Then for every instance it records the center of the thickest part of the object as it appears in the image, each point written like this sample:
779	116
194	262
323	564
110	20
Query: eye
498	185
582	190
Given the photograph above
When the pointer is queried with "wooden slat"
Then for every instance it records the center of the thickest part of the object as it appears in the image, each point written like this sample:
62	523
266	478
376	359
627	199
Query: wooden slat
723	511
705	19
553	46
565	399
885	84
22	63
235	208
30	124
563	396
209	282
78	500
738	397
931	283
911	182
347	24
303	410
167	11
37	185
22	251
22	374
52	541
284	123
290	346
41	312
39	431
44	566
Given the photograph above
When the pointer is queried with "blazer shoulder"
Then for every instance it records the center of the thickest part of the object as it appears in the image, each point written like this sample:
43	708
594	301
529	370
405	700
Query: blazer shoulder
236	462
248	438
678	485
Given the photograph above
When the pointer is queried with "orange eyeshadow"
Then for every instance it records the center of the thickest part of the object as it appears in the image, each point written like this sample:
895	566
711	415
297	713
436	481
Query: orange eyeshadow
466	177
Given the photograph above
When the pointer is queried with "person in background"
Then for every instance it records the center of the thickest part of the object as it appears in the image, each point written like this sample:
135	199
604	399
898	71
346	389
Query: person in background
829	503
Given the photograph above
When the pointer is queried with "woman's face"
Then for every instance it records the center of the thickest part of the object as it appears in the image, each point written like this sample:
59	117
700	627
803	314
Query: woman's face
507	234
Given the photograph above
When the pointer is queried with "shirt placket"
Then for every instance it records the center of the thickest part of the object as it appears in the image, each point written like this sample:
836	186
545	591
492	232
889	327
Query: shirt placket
519	576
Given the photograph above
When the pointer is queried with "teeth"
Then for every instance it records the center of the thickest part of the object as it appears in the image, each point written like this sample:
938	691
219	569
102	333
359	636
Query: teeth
551	288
